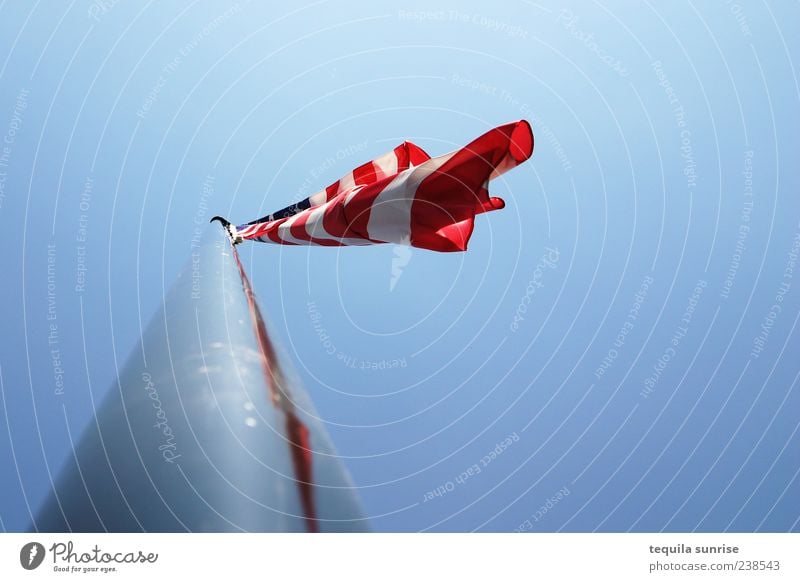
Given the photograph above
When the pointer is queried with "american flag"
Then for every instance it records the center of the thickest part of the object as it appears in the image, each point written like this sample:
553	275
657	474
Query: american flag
403	197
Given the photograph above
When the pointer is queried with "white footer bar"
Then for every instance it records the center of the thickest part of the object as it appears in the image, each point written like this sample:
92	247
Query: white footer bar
406	557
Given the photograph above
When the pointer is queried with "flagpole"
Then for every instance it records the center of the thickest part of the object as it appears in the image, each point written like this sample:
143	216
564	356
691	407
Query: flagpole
206	427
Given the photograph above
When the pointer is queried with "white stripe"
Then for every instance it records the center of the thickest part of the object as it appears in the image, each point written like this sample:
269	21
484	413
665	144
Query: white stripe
318	198
386	165
507	163
347	182
390	215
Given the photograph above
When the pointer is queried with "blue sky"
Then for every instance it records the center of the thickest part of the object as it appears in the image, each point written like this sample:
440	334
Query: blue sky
653	230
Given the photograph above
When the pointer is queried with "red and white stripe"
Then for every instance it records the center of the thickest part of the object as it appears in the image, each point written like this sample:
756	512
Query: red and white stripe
406	197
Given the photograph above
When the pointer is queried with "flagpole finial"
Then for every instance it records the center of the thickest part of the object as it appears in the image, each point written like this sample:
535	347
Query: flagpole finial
230	229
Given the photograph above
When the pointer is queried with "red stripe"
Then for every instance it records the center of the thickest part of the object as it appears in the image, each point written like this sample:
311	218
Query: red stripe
358	209
401	153
335	222
364	174
409	154
272	233
332	190
298	227
416	155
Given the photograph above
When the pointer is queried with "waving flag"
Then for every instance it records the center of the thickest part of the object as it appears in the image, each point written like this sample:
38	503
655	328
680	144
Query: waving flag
403	197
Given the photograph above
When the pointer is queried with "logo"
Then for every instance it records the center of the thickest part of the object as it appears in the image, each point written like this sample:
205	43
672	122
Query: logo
31	555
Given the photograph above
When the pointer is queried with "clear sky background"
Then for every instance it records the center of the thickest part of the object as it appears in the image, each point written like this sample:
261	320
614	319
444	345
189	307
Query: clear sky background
661	204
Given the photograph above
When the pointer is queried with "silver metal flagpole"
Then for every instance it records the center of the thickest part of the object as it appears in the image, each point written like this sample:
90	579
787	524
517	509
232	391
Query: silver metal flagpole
205	429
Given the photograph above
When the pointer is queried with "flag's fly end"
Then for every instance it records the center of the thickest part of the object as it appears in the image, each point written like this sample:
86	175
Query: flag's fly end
521	147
